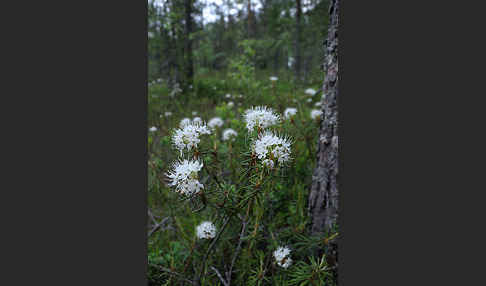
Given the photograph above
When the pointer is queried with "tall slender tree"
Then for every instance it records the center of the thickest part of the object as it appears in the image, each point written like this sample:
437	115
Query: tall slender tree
189	65
324	193
298	38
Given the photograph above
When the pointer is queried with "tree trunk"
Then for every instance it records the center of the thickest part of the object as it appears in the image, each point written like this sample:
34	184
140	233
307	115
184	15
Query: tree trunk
324	193
189	68
298	39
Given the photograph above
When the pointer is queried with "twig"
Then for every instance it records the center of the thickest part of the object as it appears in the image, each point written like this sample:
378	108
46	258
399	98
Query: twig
219	276
180	276
157	226
225	223
238	248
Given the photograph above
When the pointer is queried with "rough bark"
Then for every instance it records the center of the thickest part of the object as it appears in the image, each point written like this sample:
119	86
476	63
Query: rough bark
324	193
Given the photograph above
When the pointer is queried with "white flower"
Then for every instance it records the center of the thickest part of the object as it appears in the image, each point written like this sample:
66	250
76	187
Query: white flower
240	96
289	112
184	177
229	134
168	113
268	163
228	95
176	90
206	230
282	256
272	147
188	137
231	104
273	78
310	91
194	113
260	116
215	122
153	129
184	122
197	120
309	100
319	103
316	113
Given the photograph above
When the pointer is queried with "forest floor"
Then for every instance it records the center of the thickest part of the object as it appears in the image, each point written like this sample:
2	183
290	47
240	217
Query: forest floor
173	221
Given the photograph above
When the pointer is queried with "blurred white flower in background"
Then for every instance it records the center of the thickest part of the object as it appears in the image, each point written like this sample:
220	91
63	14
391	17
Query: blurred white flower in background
260	116
309	100
168	113
188	137
290	61
184	177
150	35
153	129
197	120
206	230
176	90
289	112
229	134
215	122
273	78
272	147
315	114
194	113
228	95
319	103
231	104
282	256
310	91
184	122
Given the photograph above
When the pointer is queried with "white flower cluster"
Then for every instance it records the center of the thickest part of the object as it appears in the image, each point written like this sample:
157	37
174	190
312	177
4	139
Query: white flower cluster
316	114
206	230
272	149
215	122
289	112
318	104
229	134
188	136
273	78
260	116
310	91
228	95
153	129
168	113
282	256
184	177
231	104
